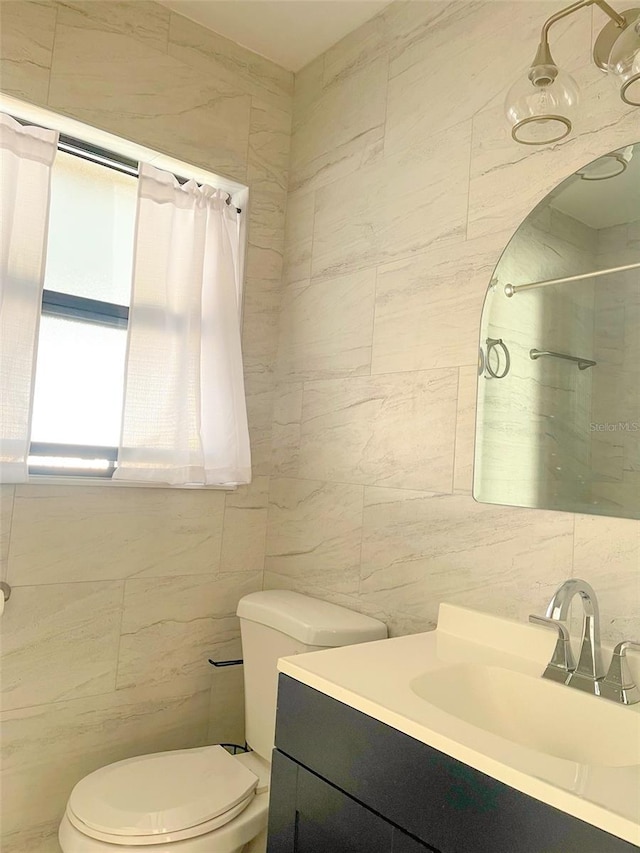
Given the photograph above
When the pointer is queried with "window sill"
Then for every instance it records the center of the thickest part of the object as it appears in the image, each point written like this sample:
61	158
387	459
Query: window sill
104	482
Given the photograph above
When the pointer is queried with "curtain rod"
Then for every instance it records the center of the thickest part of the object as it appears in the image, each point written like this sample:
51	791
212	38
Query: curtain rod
512	289
102	156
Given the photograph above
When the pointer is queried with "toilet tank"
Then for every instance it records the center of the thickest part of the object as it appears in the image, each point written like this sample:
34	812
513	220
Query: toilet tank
277	623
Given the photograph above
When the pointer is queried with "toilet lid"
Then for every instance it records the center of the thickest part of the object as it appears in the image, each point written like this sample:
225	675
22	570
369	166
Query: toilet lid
162	793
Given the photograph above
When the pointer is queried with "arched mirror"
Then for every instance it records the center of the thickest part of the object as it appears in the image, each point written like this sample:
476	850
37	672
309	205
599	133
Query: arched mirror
558	415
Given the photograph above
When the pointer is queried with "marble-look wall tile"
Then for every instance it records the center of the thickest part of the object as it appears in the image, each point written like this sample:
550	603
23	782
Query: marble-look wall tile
117	83
218	58
245	527
314	531
26	45
71	533
451	40
298	237
356	50
37	838
428	307
260	318
59	642
287	416
419	549
265	244
392	429
189	619
6	513
465	429
307	89
143	19
607	554
342	130
326	327
259	387
394	208
268	157
48	748
496	160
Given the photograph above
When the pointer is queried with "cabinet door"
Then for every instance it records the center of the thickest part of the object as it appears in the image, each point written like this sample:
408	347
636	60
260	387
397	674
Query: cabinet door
308	815
328	820
403	843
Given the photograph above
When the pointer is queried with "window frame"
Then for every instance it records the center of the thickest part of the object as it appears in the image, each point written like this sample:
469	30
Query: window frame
123	155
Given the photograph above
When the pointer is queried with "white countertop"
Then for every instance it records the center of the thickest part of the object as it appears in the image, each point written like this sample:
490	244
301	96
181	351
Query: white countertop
376	678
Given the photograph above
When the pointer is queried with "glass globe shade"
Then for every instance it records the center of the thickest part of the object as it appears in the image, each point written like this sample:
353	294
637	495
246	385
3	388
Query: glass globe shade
608	166
624	63
541	106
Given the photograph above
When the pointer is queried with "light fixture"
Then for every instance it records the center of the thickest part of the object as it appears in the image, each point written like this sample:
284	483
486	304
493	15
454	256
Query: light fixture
624	61
541	106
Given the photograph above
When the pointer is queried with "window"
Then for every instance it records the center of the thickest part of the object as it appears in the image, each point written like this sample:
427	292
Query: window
120	316
78	395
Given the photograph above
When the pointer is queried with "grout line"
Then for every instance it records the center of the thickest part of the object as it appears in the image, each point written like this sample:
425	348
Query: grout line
224	516
432	493
437	245
471	139
361	543
5	575
373	320
173	576
386	105
115	681
157	696
53	47
314	196
455	434
169	22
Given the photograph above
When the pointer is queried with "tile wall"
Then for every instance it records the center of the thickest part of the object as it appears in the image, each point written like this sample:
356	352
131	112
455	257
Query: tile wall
360	345
404	188
120	595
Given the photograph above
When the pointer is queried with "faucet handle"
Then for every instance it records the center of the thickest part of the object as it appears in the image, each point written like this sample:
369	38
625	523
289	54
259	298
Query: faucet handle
618	684
562	663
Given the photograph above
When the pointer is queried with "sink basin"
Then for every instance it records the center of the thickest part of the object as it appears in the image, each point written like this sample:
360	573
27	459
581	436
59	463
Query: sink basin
536	713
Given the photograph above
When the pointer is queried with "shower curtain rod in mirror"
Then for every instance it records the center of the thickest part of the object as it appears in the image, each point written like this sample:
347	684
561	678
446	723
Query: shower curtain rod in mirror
512	289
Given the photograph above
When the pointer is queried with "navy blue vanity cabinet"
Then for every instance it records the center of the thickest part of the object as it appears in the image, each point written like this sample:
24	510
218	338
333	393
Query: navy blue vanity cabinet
343	782
326	819
309	815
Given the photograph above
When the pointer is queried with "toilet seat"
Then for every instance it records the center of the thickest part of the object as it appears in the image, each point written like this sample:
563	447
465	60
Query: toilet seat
162	797
159	838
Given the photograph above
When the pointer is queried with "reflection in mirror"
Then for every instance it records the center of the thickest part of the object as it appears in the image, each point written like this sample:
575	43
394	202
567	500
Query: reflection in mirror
558	416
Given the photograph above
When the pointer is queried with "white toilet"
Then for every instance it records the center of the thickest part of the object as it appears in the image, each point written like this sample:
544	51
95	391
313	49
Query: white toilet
206	800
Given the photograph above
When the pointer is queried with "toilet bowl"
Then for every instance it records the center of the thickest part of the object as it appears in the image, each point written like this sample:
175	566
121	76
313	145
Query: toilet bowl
205	800
201	800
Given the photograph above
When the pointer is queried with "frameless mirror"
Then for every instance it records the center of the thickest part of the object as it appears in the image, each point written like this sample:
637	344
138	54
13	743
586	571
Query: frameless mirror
558	414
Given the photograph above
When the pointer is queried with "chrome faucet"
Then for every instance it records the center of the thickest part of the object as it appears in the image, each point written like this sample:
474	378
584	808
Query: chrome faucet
588	673
589	667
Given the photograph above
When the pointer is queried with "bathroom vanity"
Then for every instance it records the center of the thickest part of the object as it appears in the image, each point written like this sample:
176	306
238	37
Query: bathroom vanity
365	762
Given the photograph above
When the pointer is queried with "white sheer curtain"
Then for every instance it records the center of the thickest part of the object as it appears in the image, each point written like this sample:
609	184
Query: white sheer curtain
185	419
26	154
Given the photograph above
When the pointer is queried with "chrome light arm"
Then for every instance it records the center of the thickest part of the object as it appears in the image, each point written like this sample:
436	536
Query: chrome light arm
562	663
543	56
618	684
